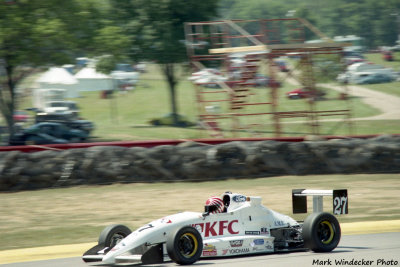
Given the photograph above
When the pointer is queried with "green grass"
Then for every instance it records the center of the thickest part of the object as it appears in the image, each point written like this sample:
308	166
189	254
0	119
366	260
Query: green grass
392	88
389	88
77	215
377	58
126	116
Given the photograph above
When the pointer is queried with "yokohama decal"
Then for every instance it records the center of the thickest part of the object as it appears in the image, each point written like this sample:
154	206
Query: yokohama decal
235	251
217	228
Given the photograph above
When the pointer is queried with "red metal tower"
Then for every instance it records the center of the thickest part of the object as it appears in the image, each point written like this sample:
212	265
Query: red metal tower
237	104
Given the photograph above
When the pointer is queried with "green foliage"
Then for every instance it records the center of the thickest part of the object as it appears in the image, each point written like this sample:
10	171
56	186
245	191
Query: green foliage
327	67
376	21
39	33
168	120
157	32
106	64
111	39
157	26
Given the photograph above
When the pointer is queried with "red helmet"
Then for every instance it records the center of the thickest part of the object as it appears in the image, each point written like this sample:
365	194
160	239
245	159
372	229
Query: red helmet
214	205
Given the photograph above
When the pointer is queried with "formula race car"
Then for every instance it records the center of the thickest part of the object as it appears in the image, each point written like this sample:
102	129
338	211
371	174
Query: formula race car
243	227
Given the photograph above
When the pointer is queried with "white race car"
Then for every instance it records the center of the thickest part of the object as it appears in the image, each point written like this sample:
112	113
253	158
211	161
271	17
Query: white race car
244	227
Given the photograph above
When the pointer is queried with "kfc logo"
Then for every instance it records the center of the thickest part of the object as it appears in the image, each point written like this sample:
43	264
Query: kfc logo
217	228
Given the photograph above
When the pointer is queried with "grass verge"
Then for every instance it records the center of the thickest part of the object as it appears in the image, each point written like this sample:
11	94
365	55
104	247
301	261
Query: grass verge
77	215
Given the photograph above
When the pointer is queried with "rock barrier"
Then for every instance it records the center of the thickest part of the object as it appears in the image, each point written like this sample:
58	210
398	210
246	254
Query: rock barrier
190	161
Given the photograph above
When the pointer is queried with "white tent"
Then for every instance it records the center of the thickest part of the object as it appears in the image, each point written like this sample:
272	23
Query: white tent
61	79
90	80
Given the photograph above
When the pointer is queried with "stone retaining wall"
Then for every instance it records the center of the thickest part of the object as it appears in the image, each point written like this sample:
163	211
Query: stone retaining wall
194	161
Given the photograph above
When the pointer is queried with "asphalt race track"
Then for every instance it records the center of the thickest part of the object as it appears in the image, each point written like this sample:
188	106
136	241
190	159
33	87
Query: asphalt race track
358	250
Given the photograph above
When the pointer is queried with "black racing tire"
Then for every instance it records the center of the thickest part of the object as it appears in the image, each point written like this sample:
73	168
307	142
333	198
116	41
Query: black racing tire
185	245
113	234
321	232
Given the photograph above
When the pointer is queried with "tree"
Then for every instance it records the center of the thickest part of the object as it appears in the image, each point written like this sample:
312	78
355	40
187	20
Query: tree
38	33
157	30
32	32
376	21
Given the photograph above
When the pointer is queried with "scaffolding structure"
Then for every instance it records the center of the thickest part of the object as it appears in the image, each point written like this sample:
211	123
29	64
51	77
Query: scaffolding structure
237	104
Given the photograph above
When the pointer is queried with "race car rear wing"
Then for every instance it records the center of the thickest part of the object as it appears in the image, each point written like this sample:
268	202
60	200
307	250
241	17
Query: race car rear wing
339	200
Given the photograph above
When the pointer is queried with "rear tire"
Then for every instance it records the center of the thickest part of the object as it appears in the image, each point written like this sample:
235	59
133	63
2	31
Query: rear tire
185	245
321	232
113	234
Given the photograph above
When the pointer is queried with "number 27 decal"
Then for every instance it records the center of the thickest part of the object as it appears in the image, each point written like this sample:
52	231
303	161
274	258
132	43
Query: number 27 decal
340	205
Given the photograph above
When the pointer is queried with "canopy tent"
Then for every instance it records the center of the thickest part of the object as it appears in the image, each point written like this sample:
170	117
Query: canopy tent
61	79
90	80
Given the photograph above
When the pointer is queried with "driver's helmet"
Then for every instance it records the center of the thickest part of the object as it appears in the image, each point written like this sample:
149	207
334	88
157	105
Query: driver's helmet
214	205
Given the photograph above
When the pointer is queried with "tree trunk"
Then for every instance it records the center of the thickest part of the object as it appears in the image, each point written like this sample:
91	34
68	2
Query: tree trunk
7	99
7	93
169	72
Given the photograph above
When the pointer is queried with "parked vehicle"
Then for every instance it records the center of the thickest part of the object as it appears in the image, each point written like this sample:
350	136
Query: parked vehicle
21	116
43	96
35	139
260	80
69	119
126	76
48	133
57	130
343	77
208	77
282	65
60	106
369	67
387	56
353	60
305	93
357	71
374	78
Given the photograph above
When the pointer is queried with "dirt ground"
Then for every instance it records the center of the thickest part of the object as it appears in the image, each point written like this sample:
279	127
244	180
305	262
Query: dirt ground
389	105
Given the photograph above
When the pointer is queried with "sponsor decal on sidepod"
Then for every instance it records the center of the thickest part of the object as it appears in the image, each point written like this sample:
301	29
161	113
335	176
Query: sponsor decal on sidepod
235	251
217	228
258	242
252	232
236	243
209	250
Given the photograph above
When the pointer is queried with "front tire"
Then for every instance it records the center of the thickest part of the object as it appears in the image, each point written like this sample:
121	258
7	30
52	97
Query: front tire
113	234
321	232
185	245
